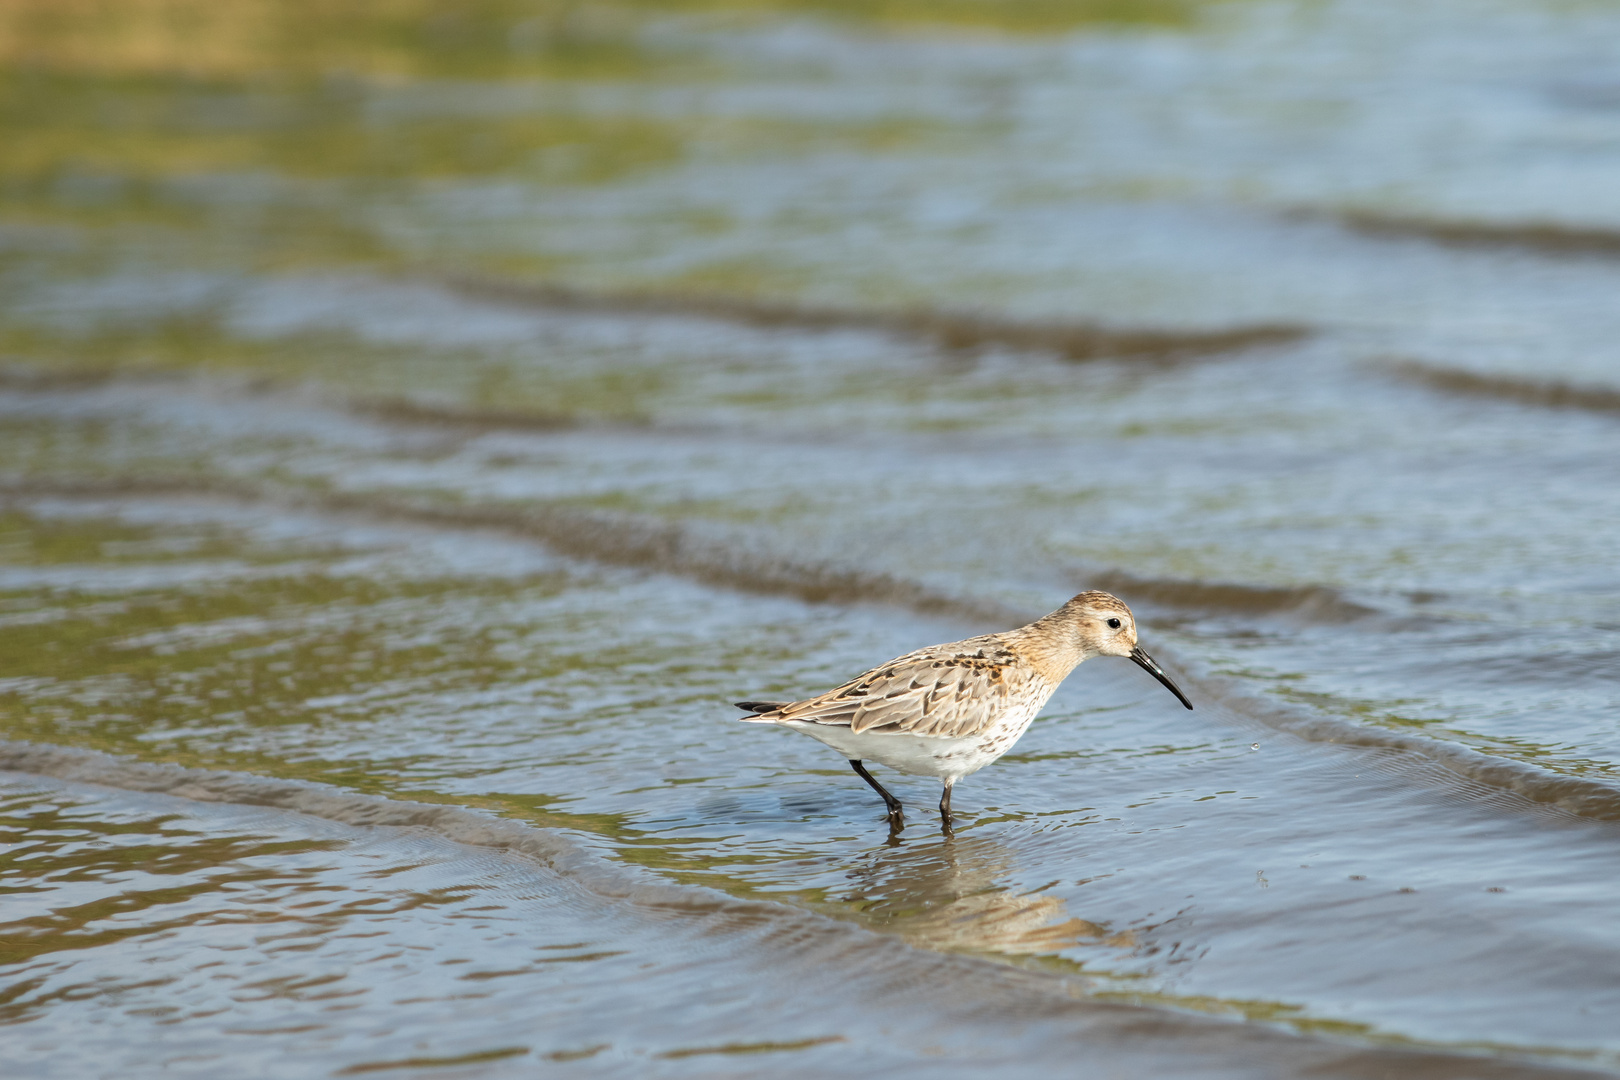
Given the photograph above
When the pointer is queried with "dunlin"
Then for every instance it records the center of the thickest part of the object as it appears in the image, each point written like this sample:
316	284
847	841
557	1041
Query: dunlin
950	710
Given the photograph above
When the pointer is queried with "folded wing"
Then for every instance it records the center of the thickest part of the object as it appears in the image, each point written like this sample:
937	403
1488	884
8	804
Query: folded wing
923	693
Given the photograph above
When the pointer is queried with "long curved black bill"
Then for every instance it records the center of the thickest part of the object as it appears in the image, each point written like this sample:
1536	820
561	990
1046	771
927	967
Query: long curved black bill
1151	666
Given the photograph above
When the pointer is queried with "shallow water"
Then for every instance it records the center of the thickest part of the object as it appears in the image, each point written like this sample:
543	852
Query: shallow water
412	442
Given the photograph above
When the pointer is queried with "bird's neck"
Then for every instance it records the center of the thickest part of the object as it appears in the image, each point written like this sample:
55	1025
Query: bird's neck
1049	648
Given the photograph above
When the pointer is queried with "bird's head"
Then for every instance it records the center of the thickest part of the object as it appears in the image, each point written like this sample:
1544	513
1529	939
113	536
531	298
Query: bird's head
1103	626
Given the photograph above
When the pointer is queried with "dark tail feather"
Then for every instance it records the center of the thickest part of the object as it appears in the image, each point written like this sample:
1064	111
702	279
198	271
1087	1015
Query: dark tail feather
759	706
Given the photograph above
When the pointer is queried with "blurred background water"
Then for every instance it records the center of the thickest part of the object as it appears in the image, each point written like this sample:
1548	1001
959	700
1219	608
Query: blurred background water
419	420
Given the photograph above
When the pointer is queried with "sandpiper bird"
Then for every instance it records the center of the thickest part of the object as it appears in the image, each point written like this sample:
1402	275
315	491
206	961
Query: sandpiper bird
950	710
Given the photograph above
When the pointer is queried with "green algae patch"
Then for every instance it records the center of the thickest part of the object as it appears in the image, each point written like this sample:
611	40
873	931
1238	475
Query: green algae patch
752	1048
403	39
387	39
1004	16
97	139
26	540
493	388
477	1058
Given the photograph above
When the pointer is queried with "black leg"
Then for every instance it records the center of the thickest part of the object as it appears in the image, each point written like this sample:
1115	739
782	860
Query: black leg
895	810
945	810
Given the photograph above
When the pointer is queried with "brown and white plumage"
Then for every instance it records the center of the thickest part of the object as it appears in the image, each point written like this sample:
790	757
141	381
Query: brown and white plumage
947	691
949	710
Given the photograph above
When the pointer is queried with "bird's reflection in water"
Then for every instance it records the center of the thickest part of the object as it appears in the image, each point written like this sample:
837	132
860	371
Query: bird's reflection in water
946	894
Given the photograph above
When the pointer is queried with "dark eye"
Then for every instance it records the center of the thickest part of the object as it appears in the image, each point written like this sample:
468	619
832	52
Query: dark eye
1113	624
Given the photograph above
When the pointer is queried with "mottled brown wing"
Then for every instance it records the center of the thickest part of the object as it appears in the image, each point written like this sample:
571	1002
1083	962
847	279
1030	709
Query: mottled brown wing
927	692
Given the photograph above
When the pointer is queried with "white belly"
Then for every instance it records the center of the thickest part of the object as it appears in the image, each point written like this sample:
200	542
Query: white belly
947	759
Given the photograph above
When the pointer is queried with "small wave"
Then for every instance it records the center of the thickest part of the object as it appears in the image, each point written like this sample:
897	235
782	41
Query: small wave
33	379
670	547
127	487
332	804
1540	238
406	411
1546	393
590	535
18	375
1075	341
1577	795
553	848
1315	603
